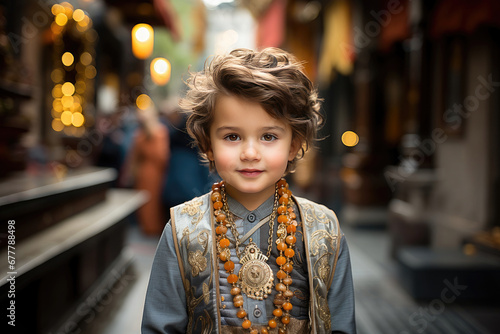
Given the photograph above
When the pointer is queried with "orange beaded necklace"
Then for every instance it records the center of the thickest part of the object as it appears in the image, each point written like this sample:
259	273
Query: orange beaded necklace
285	241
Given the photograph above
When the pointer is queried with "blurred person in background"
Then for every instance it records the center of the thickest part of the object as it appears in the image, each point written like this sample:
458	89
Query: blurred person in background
146	167
117	129
186	173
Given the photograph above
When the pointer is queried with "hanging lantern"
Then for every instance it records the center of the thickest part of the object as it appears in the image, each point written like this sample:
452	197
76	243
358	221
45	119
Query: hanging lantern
142	40
160	71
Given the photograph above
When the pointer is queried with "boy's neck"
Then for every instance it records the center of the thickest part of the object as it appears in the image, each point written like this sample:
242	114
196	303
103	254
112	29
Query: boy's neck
239	210
249	201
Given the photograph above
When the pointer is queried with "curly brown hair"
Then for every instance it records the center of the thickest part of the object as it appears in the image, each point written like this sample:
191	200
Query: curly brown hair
271	77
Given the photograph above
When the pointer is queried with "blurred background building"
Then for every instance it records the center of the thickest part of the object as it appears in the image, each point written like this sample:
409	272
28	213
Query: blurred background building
410	157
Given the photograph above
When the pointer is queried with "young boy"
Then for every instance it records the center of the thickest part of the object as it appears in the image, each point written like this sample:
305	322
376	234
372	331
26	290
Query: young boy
248	257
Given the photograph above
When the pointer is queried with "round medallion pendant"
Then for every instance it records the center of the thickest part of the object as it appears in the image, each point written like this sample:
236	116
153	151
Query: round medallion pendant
255	274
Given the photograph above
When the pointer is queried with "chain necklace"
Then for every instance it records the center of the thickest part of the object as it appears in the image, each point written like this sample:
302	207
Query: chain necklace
255	276
232	225
254	272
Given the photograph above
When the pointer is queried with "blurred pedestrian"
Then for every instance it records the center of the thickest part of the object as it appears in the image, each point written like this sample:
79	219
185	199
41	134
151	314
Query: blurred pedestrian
147	166
187	177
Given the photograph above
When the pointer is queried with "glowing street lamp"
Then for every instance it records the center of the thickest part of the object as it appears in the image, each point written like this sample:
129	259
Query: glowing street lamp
142	40
160	71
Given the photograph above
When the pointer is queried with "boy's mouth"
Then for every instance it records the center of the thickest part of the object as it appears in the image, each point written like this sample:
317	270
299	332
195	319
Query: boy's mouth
249	172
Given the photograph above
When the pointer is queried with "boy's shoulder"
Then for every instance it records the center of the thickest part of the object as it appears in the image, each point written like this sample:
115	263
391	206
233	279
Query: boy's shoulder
305	203
316	212
194	208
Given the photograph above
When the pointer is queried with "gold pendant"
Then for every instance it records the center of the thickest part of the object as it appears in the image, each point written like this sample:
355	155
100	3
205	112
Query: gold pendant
255	274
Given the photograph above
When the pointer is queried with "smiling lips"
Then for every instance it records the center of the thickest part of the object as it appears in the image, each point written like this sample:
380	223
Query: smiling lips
250	172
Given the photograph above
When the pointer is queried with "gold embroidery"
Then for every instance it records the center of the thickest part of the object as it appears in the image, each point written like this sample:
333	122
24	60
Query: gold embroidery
185	234
194	244
297	258
312	216
206	293
322	245
198	262
192	302
324	269
203	241
318	241
192	208
206	323
196	259
190	306
323	311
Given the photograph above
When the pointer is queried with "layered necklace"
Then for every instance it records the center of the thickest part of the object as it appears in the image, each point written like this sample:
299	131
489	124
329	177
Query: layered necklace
255	277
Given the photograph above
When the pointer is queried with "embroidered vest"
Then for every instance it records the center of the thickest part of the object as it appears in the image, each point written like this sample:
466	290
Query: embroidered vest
193	232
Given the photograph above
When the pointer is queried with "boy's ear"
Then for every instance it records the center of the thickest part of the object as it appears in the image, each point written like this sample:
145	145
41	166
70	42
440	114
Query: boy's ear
294	149
210	154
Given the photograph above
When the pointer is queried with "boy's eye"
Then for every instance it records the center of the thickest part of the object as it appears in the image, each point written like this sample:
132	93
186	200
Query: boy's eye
269	137
232	137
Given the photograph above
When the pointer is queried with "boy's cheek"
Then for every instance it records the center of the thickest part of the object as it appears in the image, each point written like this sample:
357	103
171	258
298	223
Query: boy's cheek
221	158
225	160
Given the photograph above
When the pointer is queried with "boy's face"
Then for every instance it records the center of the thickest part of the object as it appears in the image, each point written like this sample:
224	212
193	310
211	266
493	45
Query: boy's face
250	149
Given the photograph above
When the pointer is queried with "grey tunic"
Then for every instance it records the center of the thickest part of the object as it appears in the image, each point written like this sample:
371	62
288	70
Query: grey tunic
165	306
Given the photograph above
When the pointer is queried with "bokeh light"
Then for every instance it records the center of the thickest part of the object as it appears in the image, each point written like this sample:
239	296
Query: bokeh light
57	91
142	40
67	102
77	119
350	138
57	125
78	15
67	58
90	72
57	75
142	34
61	19
160	71
68	89
66	118
143	102
86	58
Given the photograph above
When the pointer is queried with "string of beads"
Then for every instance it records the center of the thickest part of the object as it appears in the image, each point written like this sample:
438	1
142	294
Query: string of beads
285	243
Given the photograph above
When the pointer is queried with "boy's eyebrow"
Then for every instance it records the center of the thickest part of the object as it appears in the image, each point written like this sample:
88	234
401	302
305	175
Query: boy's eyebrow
274	128
227	128
234	128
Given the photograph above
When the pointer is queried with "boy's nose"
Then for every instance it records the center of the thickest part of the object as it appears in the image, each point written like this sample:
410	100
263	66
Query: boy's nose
249	152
